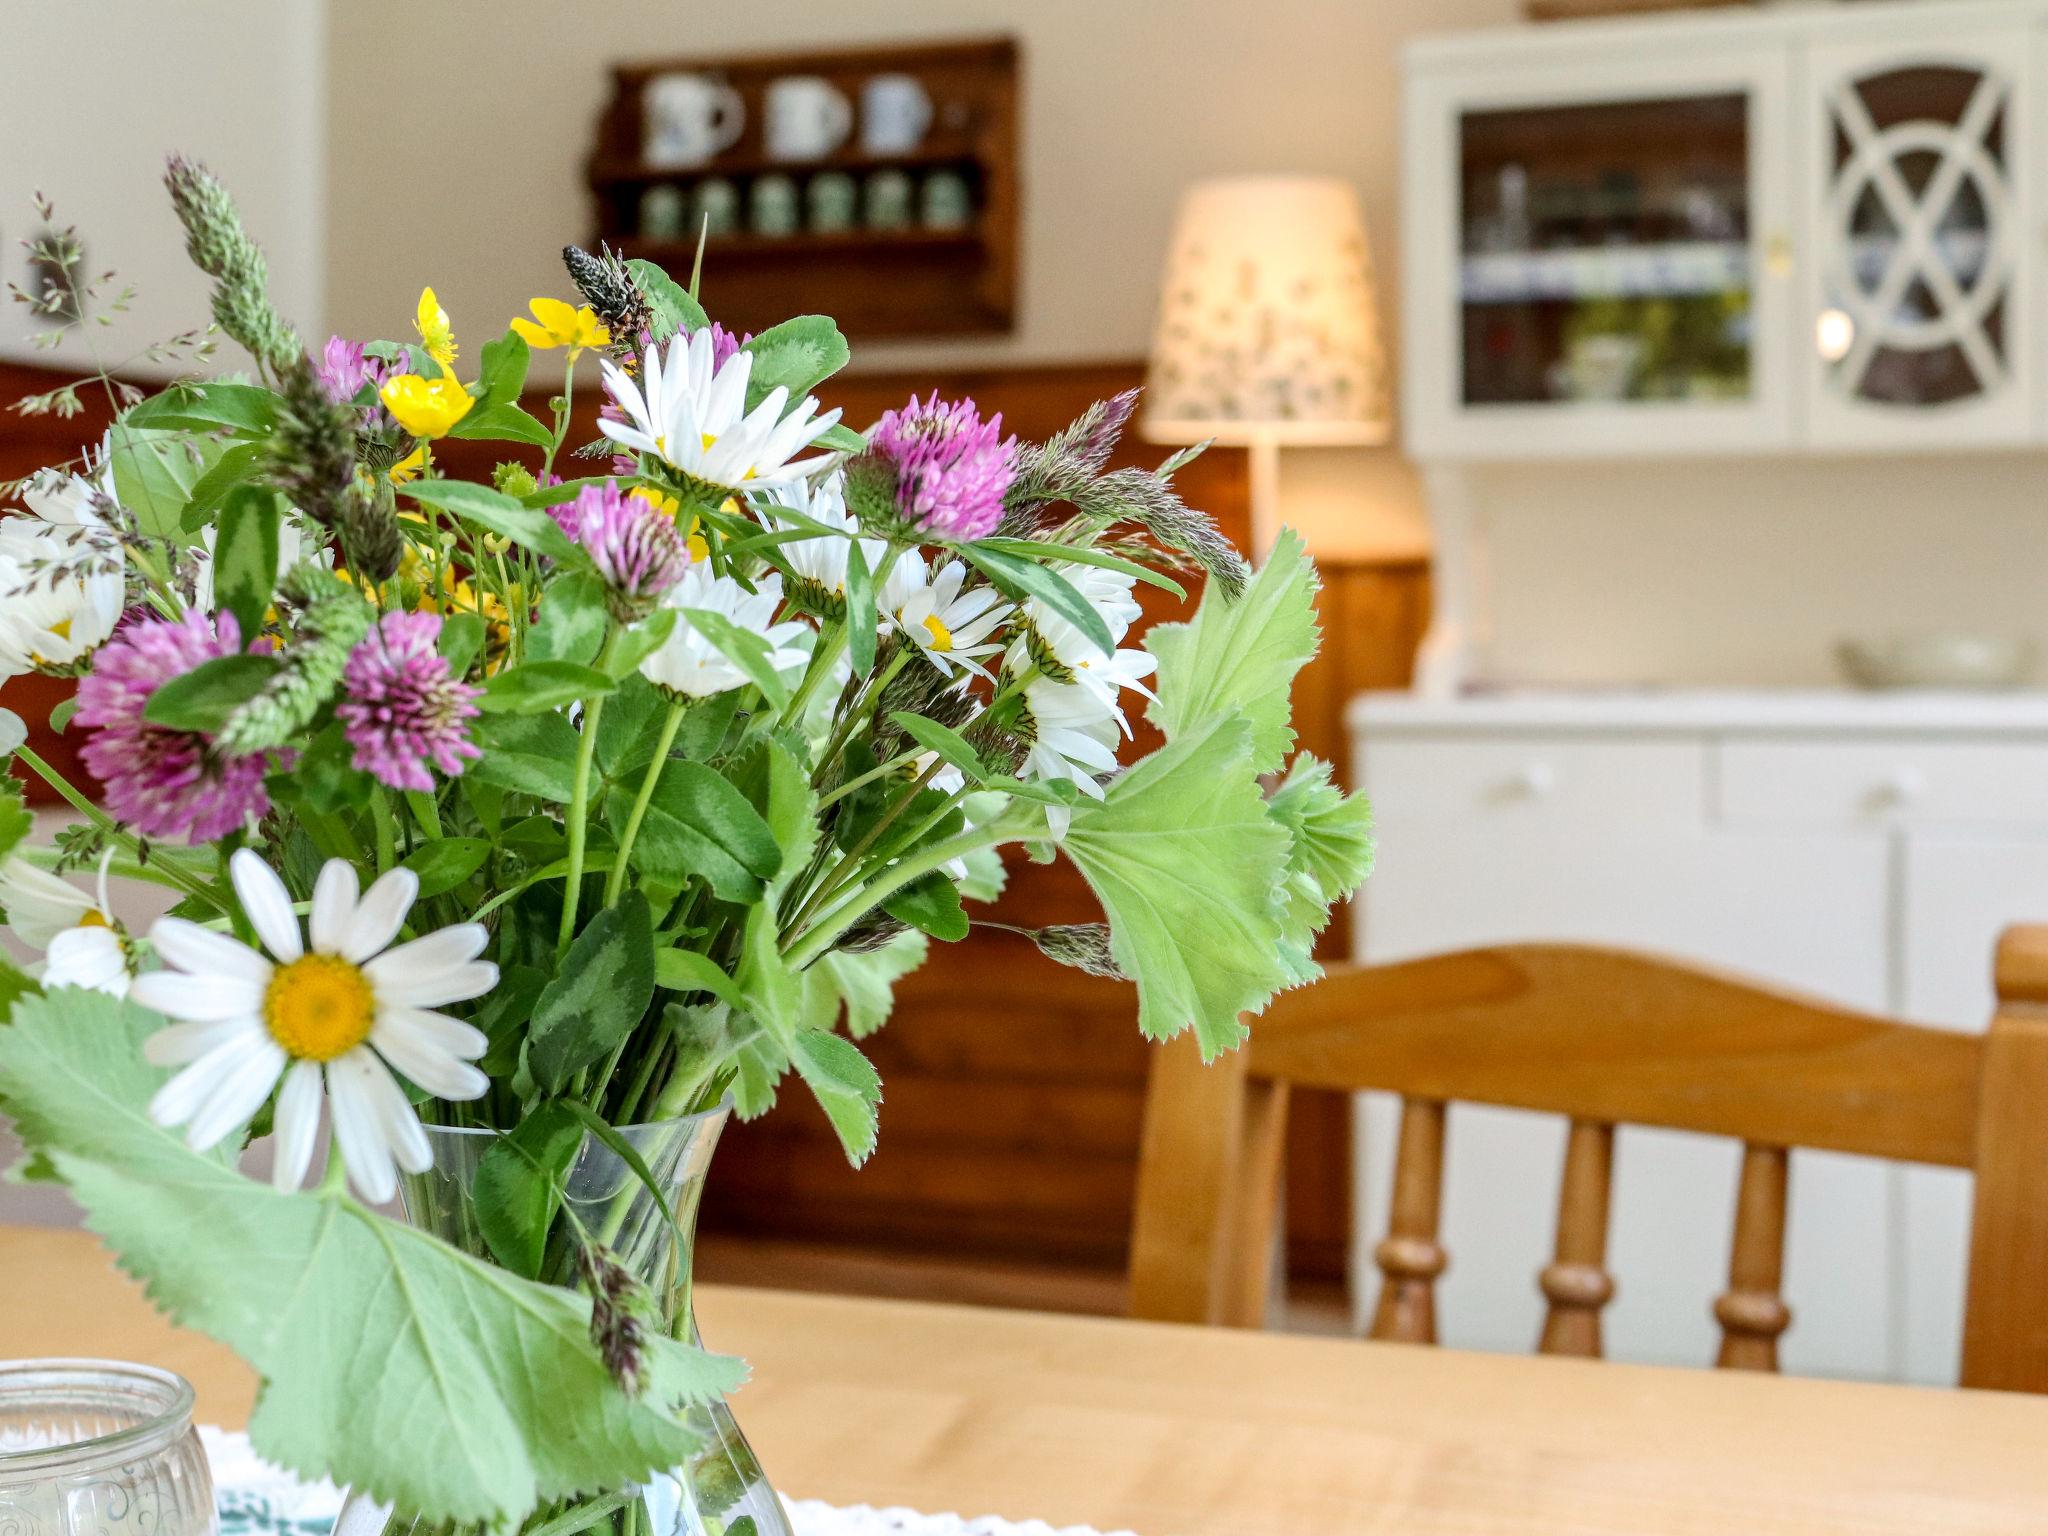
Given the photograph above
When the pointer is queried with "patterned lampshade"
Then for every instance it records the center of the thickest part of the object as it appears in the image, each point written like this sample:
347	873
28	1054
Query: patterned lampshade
1267	325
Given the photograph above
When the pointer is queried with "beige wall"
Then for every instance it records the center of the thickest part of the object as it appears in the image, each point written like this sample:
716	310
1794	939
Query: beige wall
1124	103
97	92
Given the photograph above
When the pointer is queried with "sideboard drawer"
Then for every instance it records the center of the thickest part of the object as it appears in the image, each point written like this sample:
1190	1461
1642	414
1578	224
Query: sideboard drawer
1775	781
1561	781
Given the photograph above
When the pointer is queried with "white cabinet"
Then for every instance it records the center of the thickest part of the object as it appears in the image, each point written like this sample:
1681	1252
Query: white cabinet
1870	857
1807	230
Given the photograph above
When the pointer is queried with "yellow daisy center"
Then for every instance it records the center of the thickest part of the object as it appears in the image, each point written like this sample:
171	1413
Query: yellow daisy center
94	919
319	1007
942	637
61	629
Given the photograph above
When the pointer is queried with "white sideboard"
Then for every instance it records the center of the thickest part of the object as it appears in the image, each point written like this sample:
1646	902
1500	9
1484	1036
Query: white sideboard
1867	848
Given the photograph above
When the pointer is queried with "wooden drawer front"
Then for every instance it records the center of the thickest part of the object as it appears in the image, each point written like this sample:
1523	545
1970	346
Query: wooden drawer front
1767	781
1559	781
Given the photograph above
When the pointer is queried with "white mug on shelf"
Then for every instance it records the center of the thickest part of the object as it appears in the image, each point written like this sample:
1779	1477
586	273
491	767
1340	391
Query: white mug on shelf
808	118
895	113
686	119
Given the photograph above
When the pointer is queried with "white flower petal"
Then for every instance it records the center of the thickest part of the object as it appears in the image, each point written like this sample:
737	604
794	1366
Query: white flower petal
396	1122
203	952
39	905
197	998
381	914
239	1093
334	903
88	957
298	1123
441	950
267	904
179	1099
355	1129
420	986
430	1067
451	1035
176	1044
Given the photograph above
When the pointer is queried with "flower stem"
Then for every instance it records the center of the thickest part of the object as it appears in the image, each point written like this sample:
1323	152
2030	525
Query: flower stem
813	943
579	804
617	879
869	777
188	883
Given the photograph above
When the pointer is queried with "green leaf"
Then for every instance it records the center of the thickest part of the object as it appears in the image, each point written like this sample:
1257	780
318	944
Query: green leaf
1082	554
244	409
932	904
673	308
502	422
504	366
1332	831
535	754
1188	867
863	980
789	805
231	469
797	355
533	686
1240	658
245	556
15	819
324	778
860	610
744	649
636	644
839	438
155	473
846	1085
446	862
774	993
572	621
518	1185
389	1360
684	970
1022	578
945	741
698	823
528	527
602	988
202	699
462	636
62	711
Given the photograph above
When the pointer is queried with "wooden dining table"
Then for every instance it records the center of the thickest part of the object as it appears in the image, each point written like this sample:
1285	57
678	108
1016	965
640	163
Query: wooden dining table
1176	1431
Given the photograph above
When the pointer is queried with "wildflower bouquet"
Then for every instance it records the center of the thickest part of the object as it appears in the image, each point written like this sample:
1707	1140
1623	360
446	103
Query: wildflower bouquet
554	810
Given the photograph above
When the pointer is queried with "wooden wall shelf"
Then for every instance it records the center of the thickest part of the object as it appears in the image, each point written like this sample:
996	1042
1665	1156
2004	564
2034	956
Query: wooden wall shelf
886	282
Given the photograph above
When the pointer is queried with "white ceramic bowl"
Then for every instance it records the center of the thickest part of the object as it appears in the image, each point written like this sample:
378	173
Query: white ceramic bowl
1938	659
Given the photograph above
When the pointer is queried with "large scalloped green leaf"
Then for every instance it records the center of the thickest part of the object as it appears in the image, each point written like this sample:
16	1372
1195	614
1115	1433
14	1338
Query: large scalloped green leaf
1189	867
389	1360
1240	658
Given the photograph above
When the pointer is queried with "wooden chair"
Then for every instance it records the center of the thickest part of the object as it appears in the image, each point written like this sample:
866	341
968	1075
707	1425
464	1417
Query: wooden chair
1605	1038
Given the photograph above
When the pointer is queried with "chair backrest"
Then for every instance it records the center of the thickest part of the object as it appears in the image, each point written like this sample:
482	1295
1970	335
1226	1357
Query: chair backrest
1605	1038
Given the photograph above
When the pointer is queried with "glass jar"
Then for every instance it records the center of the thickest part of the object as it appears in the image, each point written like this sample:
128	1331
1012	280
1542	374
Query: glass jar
720	1490
100	1448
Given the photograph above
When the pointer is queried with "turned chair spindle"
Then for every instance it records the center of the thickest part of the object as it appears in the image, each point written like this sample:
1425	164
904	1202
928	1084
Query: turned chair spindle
1410	1257
1751	1312
1576	1282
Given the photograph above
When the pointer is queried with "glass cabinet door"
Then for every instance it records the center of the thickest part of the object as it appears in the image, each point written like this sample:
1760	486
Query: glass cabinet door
1594	251
1919	322
1605	251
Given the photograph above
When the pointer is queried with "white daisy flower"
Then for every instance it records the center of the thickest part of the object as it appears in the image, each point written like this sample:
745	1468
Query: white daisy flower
347	1011
690	663
1107	592
821	561
693	415
62	583
949	626
81	943
13	731
1073	737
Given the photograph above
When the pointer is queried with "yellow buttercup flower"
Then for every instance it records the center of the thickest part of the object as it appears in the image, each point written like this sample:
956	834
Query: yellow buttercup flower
426	407
700	546
409	467
561	326
437	335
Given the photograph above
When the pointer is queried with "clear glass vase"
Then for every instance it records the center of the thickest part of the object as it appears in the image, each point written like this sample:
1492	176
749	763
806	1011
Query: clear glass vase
98	1448
720	1490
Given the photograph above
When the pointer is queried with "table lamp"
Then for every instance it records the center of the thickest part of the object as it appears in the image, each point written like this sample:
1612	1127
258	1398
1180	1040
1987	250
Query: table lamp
1268	335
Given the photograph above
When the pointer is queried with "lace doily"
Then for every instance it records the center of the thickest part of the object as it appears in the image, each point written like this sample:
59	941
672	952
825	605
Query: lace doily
258	1499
